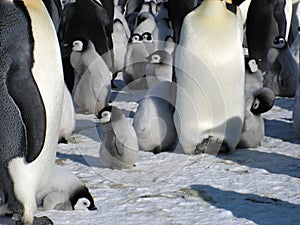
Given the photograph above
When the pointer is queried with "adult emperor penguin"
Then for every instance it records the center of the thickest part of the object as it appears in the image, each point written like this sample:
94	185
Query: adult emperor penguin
266	20
153	120
209	69
258	100
92	85
119	144
65	191
31	89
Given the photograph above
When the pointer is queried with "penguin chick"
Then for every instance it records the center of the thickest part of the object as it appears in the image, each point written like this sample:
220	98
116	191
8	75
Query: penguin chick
135	59
65	191
119	144
257	101
153	120
158	67
92	82
67	124
282	69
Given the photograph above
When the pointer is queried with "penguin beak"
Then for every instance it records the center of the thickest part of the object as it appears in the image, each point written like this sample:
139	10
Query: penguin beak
92	207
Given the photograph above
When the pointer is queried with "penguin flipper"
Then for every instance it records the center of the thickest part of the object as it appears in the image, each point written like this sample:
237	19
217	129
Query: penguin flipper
119	145
23	90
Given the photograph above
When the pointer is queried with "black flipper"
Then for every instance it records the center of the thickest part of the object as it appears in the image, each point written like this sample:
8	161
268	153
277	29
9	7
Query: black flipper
24	91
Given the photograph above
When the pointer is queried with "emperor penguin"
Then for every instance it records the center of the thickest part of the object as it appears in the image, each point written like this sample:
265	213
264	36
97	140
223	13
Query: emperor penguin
65	191
209	69
67	124
282	71
119	144
153	120
85	18
266	20
31	89
92	84
258	100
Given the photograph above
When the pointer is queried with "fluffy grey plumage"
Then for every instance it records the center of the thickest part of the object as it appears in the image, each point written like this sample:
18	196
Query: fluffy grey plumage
119	144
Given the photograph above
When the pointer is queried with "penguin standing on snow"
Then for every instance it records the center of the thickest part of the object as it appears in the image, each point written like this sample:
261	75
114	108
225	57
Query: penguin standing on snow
209	69
31	89
258	100
153	120
92	84
119	144
65	191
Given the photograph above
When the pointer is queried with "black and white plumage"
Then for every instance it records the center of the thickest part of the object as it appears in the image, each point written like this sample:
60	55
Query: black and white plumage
153	120
119	144
65	191
92	84
258	100
265	21
158	67
282	72
31	90
85	18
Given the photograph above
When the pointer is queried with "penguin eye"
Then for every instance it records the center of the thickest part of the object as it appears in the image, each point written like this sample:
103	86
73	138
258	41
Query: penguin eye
255	104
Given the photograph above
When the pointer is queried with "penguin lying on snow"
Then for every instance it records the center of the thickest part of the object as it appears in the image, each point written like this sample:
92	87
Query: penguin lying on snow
119	144
258	100
282	70
92	86
65	191
31	89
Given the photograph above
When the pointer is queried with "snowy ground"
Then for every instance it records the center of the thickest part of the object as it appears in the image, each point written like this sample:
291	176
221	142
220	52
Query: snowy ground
250	186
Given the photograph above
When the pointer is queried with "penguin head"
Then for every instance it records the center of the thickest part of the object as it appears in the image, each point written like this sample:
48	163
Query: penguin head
159	57
80	44
279	42
135	38
263	100
109	114
82	199
147	37
104	115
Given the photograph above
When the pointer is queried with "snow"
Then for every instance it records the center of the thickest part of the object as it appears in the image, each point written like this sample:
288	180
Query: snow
249	186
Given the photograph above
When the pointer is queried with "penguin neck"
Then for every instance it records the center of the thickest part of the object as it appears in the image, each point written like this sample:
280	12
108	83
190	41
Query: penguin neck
212	8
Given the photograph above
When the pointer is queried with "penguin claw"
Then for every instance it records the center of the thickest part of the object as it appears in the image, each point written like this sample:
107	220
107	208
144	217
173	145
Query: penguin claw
210	145
44	220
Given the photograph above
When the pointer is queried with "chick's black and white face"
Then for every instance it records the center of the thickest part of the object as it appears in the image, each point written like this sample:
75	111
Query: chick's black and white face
253	65
77	46
105	117
147	37
135	38
155	59
82	204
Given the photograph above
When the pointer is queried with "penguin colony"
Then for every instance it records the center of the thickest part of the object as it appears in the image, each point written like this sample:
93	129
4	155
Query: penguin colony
209	68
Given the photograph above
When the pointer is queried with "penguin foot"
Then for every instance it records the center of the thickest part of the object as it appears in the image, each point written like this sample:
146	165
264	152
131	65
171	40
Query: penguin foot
44	220
210	145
